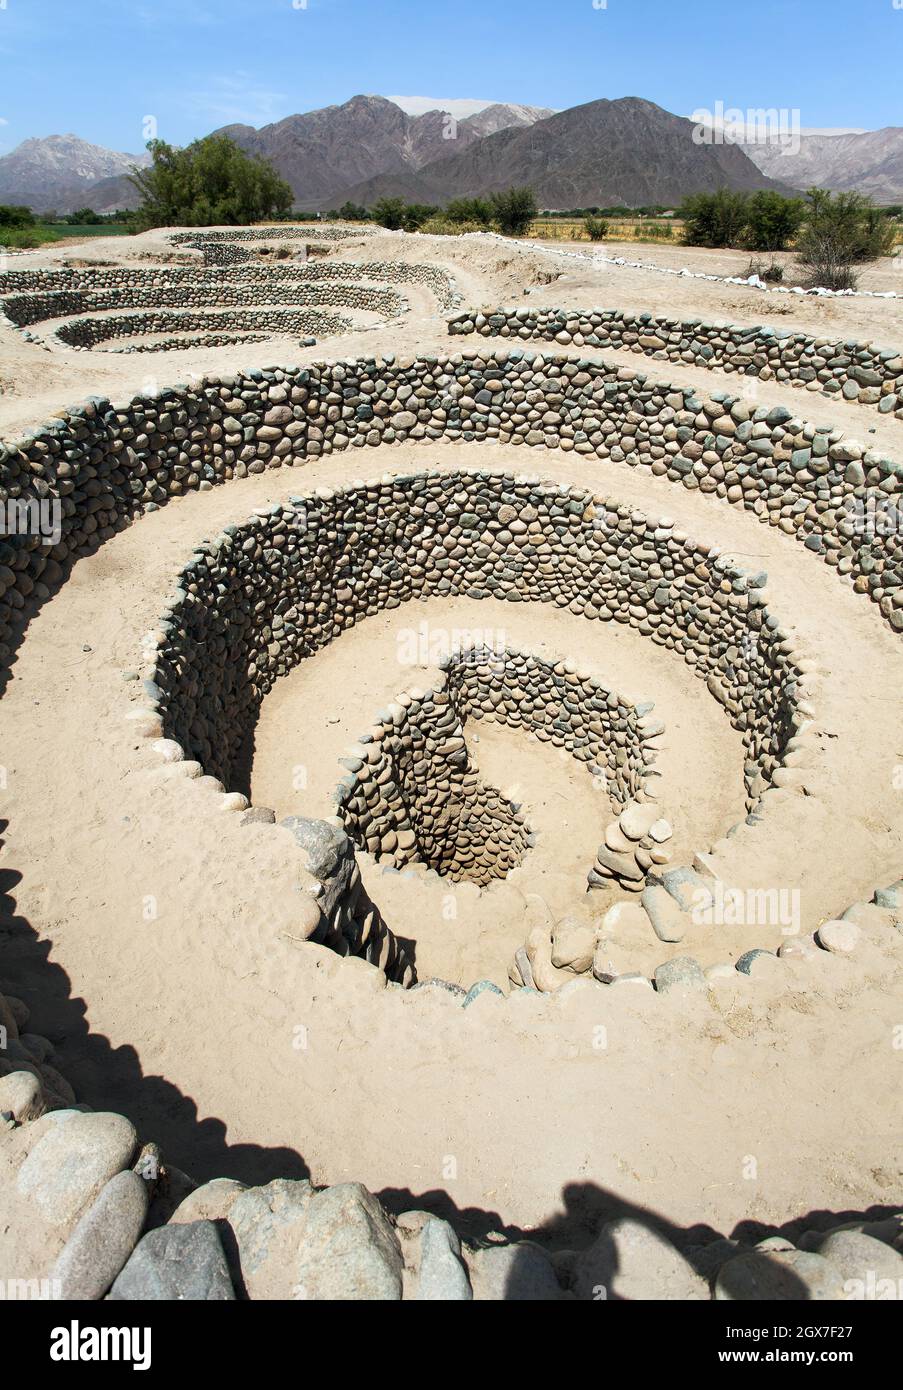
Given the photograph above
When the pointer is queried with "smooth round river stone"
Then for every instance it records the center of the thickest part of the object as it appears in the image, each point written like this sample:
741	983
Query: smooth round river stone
514	1273
840	938
636	821
183	1262
861	1258
442	1275
21	1097
668	921
631	1260
347	1249
794	1275
681	973
103	1239
74	1157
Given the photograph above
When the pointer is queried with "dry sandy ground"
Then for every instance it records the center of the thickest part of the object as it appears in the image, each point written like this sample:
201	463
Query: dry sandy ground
140	940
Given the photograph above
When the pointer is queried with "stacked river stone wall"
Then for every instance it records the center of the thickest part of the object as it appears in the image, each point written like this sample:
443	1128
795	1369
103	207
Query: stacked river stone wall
30	297
91	1211
258	599
410	795
226	325
104	464
300	231
202	294
862	372
414	798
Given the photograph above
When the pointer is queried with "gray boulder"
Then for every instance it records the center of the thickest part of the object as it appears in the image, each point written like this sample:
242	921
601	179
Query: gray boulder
103	1239
629	1260
442	1275
780	1275
521	1272
183	1262
348	1249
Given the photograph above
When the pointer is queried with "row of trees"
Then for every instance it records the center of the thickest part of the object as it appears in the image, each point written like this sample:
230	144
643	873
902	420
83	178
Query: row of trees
831	232
213	181
511	212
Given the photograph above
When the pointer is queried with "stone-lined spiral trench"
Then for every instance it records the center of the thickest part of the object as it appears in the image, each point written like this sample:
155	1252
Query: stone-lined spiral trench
266	595
226	300
261	598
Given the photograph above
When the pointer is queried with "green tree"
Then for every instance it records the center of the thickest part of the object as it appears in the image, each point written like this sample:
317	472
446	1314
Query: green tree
416	214
772	220
470	210
210	182
514	210
16	216
84	217
390	213
714	219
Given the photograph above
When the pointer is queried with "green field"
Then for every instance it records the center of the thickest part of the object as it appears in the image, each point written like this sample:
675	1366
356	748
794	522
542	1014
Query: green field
90	229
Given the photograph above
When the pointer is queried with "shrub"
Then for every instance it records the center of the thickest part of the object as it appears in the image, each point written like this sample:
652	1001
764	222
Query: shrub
390	213
514	210
596	228
415	214
472	210
842	230
770	271
26	238
714	219
772	221
16	216
351	212
442	226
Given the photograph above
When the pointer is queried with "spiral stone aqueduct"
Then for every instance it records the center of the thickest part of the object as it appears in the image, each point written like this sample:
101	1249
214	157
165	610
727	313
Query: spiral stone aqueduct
462	856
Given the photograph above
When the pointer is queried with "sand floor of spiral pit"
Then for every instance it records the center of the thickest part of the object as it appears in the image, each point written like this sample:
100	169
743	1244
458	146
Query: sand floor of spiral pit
656	681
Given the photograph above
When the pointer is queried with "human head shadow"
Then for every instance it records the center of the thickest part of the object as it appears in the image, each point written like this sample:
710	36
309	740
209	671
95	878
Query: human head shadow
584	1222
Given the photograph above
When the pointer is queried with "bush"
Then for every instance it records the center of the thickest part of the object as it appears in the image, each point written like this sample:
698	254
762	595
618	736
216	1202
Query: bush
772	221
470	210
416	214
662	231
769	271
16	216
514	210
351	212
442	226
83	217
596	228
26	238
210	182
842	230
714	219
390	213
763	221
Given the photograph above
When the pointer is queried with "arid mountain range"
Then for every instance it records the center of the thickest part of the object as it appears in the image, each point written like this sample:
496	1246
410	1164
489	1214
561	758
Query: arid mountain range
869	161
61	172
627	151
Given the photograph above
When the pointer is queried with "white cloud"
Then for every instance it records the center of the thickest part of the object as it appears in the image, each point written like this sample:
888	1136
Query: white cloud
235	99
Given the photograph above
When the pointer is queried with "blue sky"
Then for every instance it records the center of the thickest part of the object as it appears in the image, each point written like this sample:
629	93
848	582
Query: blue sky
99	67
